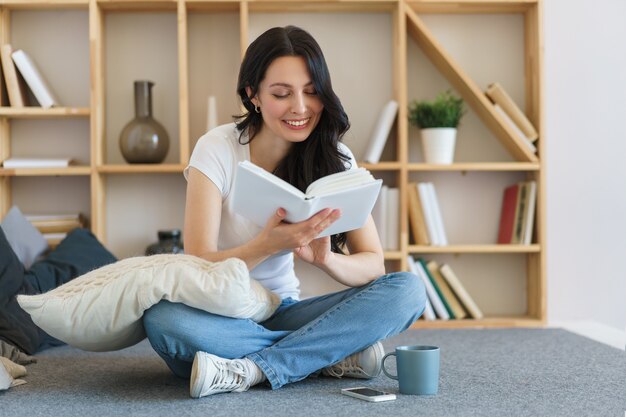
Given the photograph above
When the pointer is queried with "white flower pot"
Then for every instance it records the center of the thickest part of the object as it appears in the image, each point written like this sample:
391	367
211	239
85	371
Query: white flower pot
438	144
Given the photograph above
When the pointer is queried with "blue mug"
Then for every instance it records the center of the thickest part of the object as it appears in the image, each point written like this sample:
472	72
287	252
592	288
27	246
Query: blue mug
418	369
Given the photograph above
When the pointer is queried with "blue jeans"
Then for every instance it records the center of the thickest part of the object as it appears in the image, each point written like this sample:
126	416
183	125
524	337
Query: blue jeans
300	338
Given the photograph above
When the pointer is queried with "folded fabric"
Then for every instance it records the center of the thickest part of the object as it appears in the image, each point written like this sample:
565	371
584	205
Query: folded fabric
9	372
102	310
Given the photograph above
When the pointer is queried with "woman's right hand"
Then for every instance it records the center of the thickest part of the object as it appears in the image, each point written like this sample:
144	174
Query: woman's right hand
278	236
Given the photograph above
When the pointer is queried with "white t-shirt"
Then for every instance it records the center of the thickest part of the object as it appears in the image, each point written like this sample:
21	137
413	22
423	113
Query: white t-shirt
217	155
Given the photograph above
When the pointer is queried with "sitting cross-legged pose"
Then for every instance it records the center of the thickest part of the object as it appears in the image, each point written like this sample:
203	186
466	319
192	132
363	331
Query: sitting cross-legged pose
292	128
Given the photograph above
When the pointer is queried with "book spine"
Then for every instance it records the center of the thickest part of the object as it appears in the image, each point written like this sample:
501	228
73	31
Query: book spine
416	216
429	312
456	285
498	95
34	79
519	214
441	231
15	89
507	214
529	216
381	132
379	214
433	281
428	213
516	130
393	218
434	298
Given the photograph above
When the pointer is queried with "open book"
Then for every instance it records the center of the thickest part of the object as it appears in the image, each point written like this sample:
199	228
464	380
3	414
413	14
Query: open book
258	194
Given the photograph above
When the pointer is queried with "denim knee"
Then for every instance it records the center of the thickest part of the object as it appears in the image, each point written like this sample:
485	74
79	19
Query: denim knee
407	293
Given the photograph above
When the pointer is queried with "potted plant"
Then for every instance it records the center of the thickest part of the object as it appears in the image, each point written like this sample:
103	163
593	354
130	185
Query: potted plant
437	121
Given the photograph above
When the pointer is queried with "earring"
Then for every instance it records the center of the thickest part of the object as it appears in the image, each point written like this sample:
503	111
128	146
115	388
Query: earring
257	109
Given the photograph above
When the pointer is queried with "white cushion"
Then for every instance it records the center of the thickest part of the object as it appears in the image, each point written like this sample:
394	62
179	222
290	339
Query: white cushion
102	310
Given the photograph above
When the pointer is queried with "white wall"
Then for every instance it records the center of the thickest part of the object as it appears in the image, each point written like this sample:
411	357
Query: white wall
585	73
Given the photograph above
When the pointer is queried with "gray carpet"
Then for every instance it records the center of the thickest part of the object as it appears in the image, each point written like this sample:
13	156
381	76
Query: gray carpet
507	372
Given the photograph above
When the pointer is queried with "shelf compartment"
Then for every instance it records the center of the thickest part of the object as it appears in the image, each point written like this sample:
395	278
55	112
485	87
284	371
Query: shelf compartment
142	169
476	166
490	322
45	172
138	5
466	87
41	113
534	248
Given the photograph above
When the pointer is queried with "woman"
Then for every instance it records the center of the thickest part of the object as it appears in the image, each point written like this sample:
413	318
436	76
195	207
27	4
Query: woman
292	128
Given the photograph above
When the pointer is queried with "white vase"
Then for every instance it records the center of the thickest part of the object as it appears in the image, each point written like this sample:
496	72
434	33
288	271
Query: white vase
438	144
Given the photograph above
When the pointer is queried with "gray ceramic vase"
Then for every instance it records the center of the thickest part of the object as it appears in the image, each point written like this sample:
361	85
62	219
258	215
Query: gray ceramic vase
144	140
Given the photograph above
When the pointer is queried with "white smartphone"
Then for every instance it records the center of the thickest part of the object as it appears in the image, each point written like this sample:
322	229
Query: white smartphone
368	394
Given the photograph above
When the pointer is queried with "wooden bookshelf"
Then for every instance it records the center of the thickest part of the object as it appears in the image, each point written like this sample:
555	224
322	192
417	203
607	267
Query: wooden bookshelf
406	25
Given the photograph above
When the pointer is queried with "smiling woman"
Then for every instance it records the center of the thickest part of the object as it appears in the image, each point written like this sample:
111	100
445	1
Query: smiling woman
293	129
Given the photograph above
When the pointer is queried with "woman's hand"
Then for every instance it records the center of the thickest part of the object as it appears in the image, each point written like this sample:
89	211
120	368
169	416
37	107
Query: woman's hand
317	252
278	236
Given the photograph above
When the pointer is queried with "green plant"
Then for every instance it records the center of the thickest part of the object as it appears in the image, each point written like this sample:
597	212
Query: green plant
445	111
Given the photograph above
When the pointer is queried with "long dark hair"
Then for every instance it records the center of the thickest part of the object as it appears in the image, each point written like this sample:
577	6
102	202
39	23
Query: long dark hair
318	155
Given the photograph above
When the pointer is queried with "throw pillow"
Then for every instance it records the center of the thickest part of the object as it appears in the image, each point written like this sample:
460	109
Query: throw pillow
25	240
79	253
103	309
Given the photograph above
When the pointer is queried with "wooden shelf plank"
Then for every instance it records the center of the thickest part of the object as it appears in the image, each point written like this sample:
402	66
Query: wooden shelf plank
477	166
471	6
489	322
45	172
381	166
393	255
534	248
142	169
45	4
138	5
360	6
41	113
470	92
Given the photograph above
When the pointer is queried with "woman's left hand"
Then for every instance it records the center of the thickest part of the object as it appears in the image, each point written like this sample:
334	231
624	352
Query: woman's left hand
317	252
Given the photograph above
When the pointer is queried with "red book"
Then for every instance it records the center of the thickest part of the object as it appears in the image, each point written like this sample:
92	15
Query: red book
508	214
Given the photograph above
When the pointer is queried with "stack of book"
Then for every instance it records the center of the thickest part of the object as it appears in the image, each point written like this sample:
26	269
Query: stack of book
425	215
386	217
512	116
447	297
20	71
55	227
517	215
16	162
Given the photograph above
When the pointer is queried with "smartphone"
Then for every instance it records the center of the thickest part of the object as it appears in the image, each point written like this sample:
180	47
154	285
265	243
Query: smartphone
368	394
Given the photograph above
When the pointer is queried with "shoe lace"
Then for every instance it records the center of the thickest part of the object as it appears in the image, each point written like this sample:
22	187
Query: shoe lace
231	376
348	365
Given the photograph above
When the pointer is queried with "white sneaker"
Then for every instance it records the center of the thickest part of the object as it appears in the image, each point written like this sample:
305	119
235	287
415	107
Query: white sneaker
211	374
365	364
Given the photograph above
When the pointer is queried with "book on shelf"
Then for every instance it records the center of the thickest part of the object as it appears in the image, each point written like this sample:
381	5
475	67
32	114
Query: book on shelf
516	130
56	223
416	216
34	79
433	297
392	238
529	212
498	95
457	310
379	215
380	133
16	90
426	270
459	289
54	239
257	194
432	214
517	213
11	163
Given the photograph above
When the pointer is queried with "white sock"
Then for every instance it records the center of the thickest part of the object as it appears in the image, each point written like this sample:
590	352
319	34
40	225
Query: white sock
255	373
